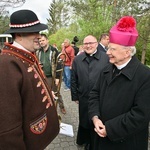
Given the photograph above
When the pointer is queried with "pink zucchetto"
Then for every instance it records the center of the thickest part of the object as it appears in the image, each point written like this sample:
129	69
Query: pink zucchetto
124	32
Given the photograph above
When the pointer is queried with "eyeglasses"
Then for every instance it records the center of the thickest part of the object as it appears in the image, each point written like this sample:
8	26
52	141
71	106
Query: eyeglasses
90	43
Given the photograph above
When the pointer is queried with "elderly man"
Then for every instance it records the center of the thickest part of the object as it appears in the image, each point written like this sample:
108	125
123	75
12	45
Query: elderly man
27	111
85	70
119	104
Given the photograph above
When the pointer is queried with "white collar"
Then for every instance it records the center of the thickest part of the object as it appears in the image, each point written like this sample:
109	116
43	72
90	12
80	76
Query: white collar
123	65
102	45
93	53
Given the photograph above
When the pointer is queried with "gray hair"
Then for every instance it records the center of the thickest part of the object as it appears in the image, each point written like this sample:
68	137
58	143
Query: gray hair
67	40
132	48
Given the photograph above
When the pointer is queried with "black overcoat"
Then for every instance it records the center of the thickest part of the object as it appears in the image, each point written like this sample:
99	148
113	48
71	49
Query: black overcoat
84	75
123	105
101	48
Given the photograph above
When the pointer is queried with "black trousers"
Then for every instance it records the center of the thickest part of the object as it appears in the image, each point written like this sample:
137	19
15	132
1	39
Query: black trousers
85	136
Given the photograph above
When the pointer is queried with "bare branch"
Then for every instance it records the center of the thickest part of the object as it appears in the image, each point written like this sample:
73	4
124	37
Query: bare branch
11	3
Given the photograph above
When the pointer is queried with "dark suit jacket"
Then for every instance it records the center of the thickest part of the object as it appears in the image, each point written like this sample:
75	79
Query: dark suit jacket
122	103
100	47
83	77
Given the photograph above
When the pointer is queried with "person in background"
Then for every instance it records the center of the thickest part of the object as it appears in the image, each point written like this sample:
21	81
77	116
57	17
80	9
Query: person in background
47	56
28	114
86	68
103	42
76	49
81	49
119	104
69	52
73	44
55	46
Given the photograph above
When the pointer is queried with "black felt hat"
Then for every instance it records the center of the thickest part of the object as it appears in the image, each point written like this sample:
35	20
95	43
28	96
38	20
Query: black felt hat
25	21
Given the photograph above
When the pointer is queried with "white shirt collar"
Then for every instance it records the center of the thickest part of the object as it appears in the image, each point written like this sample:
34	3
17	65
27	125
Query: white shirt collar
93	53
123	65
102	45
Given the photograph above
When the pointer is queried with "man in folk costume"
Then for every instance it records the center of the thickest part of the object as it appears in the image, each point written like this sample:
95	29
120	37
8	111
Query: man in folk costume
119	104
27	111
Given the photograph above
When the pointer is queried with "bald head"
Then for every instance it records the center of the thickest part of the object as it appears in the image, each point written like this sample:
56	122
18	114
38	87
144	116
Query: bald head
90	37
90	44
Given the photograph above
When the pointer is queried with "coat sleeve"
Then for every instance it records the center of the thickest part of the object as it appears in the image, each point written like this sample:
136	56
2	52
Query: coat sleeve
74	82
11	133
72	55
135	120
93	104
58	64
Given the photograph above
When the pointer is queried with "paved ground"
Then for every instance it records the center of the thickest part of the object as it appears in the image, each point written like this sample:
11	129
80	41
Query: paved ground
62	142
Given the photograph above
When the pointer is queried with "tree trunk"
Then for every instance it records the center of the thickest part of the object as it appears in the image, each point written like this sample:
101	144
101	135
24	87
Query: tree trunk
144	53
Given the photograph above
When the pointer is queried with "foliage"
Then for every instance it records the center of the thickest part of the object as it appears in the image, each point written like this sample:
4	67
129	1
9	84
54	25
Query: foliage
144	38
59	17
4	14
93	18
4	24
69	18
97	16
9	3
62	34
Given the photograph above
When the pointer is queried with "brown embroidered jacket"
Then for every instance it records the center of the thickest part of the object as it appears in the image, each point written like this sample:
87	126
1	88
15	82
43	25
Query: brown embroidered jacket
27	111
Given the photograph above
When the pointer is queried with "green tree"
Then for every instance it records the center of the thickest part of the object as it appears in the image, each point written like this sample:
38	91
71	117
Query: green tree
97	16
59	17
4	23
4	14
140	9
93	18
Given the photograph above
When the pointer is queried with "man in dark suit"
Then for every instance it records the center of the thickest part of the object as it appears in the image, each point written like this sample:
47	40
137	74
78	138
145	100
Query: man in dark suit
103	42
86	68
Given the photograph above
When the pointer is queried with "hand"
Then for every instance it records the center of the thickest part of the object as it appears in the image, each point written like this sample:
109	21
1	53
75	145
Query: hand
56	82
77	102
99	127
53	94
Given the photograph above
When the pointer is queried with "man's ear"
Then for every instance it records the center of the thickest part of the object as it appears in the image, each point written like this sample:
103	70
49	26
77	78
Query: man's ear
128	52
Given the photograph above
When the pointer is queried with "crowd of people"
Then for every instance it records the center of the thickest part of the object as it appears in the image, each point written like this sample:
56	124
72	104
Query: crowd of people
105	79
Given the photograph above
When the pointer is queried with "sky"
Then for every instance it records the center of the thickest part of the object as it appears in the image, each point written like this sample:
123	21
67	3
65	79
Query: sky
40	7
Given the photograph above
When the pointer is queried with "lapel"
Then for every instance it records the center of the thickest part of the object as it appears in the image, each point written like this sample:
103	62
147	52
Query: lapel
128	71
97	56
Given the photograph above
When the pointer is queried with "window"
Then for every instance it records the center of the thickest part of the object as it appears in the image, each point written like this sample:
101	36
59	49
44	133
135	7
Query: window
5	38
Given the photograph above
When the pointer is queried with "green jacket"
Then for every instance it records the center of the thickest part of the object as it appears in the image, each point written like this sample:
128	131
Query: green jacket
48	60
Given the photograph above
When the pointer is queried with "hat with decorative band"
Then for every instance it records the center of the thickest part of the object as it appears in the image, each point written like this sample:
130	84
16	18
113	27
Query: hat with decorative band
25	21
124	32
